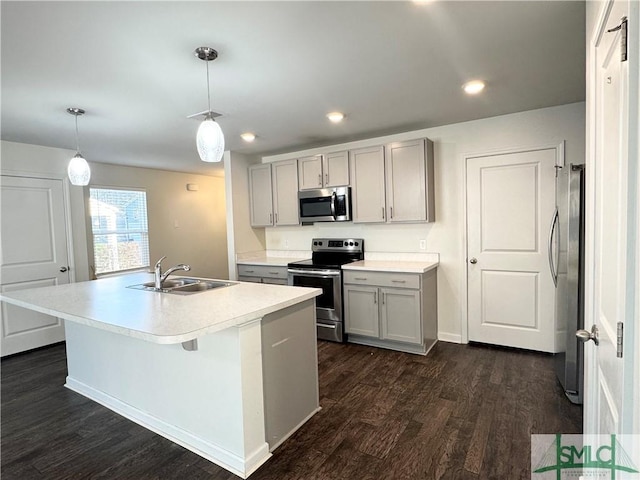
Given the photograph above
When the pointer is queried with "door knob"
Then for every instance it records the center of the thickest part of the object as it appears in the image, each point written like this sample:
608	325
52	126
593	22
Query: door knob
473	260
64	269
584	335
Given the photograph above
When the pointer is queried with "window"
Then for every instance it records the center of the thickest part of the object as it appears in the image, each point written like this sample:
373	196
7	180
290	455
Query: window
119	227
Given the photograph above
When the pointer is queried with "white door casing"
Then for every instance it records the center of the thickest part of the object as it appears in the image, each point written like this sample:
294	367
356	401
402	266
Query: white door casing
612	222
510	204
34	250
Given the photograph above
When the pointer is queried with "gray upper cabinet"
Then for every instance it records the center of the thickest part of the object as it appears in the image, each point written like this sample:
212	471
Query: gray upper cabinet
394	183
273	192
409	181
260	193
367	185
320	171
335	168
285	193
310	172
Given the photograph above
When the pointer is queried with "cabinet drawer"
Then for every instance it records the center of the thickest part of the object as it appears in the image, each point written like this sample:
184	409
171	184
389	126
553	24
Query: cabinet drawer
382	279
262	271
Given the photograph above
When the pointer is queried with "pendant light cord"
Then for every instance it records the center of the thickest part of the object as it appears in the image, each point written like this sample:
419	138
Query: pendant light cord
77	137
208	88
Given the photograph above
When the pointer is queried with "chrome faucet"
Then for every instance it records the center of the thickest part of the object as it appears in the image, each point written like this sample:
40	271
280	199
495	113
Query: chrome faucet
160	277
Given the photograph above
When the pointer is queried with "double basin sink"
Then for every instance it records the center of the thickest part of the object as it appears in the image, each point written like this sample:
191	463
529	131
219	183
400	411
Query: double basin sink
182	286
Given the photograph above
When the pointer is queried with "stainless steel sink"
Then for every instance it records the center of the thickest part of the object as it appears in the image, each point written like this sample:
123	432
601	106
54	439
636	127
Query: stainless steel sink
173	282
183	286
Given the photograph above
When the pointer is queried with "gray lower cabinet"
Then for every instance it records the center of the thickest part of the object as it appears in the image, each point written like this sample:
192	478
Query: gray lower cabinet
391	310
262	274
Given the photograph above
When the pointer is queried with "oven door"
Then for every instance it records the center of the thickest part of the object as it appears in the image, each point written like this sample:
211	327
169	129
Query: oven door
328	304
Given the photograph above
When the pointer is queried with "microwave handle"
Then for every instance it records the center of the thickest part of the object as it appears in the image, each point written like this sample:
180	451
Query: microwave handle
333	205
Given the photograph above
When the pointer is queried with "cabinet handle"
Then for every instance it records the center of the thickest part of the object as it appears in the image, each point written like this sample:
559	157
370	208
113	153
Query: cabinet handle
391	212
270	218
383	213
249	271
274	273
383	298
320	179
276	215
359	278
375	297
398	281
326	178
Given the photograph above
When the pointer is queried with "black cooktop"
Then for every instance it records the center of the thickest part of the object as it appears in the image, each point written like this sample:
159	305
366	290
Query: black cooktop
332	253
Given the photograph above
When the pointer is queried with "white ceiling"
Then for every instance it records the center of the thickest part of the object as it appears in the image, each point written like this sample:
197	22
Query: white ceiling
390	66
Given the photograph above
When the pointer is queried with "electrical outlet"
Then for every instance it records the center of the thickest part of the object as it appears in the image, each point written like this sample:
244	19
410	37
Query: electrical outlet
423	244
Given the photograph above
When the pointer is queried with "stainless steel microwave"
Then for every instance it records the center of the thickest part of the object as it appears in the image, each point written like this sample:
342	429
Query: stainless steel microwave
325	205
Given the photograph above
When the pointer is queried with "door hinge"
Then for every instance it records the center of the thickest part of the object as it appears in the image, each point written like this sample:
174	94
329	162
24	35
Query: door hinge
619	339
623	38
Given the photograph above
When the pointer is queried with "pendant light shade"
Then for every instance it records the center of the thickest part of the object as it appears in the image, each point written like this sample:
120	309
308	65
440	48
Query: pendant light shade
78	170
210	139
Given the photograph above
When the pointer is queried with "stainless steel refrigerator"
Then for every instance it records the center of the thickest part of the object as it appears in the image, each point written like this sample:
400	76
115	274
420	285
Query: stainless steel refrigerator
566	260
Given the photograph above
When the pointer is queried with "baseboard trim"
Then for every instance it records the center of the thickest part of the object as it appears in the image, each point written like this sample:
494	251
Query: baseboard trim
199	446
449	337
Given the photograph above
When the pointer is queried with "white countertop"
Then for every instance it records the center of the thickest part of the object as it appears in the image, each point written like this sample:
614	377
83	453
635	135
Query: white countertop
399	266
270	261
158	317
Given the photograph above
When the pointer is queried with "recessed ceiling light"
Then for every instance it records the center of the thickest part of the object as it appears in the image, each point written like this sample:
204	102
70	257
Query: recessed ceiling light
473	87
248	137
335	117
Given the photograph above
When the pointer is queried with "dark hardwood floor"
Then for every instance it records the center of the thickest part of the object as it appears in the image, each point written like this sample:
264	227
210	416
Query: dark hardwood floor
461	412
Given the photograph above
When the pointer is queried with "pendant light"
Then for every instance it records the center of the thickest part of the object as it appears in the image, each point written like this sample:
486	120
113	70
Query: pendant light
78	169
210	140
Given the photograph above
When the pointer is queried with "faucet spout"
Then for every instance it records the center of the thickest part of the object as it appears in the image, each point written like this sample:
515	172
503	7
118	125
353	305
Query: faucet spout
180	266
160	277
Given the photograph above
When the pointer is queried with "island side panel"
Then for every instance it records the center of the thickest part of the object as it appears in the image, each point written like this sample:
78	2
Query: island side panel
290	369
194	398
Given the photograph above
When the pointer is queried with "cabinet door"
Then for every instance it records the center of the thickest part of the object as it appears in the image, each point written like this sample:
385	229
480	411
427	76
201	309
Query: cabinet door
406	181
361	310
285	193
367	184
310	172
261	200
400	315
335	167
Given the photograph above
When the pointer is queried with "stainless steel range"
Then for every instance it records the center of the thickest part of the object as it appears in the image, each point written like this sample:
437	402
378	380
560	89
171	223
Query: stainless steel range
324	270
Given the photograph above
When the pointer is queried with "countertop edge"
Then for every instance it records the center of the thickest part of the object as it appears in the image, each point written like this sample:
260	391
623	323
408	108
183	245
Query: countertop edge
391	266
166	339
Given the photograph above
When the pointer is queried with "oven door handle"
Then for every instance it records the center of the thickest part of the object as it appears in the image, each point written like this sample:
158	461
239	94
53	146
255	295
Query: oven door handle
315	273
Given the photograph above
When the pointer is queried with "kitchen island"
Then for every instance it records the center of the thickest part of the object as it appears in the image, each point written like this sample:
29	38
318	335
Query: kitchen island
227	373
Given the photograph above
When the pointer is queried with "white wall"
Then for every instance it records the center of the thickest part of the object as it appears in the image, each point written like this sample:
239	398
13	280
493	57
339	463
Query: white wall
241	238
446	236
199	239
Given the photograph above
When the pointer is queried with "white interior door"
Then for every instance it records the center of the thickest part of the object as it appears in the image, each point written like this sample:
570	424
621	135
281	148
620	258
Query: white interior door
510	204
612	286
33	254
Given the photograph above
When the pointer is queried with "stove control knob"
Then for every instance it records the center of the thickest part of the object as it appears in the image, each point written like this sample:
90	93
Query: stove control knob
356	244
351	244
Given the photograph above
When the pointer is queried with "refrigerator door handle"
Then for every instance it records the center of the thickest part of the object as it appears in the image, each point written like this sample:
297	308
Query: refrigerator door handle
552	268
